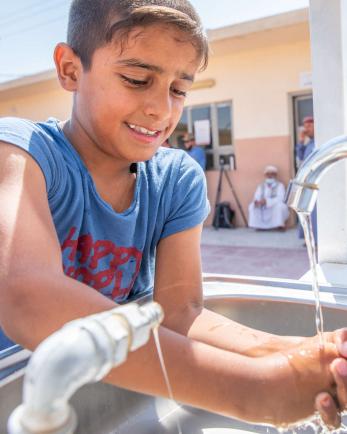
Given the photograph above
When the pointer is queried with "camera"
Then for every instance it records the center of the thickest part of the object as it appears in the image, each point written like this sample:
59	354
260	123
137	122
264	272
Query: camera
227	160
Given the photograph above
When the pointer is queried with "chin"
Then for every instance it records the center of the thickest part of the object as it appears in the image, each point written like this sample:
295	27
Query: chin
143	154
137	157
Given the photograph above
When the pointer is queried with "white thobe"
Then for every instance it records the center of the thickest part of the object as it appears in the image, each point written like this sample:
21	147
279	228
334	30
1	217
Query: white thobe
274	213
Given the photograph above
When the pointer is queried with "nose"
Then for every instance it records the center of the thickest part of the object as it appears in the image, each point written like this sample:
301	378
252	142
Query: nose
158	104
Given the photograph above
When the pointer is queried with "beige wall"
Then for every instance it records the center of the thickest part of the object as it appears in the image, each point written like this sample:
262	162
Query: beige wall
37	101
258	72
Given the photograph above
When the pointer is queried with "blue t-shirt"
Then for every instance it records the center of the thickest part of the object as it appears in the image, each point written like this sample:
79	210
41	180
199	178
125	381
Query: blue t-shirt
112	252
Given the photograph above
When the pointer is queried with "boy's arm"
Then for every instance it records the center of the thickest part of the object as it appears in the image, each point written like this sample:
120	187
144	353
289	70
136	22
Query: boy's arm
36	299
178	288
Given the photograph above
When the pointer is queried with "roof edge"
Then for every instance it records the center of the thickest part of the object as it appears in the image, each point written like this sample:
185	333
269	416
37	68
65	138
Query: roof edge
28	79
260	24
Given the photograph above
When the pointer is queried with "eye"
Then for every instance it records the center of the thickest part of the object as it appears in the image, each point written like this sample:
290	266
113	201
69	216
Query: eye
179	92
133	82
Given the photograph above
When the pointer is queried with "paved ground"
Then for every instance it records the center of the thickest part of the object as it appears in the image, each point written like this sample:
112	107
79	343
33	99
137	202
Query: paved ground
248	252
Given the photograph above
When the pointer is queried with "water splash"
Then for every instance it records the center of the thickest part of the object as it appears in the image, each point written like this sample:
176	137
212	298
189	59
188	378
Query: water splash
315	425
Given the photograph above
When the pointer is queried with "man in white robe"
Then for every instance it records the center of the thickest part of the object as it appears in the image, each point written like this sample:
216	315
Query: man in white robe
268	210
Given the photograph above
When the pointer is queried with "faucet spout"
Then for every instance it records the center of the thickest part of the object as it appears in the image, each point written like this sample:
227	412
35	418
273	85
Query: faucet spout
81	352
303	189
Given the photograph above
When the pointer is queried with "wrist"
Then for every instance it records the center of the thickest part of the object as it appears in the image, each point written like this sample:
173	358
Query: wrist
269	344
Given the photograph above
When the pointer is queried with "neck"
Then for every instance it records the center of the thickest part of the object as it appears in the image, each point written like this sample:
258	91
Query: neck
98	162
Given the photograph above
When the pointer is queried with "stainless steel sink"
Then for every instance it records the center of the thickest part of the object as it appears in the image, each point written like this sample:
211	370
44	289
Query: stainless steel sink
274	305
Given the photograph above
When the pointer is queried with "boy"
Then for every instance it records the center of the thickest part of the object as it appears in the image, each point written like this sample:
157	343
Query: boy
74	196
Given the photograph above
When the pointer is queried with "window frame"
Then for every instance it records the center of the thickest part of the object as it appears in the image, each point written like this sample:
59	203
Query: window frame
217	150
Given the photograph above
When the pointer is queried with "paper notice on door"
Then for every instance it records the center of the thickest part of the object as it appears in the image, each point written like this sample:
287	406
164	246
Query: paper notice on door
202	132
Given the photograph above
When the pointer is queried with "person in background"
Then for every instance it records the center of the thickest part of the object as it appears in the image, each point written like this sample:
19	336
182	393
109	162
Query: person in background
268	210
304	148
306	142
196	152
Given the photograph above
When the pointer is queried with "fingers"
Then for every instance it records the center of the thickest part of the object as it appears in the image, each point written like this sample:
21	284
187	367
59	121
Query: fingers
328	411
341	341
339	371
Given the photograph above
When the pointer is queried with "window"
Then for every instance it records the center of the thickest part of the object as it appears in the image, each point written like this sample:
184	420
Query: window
181	129
224	124
219	136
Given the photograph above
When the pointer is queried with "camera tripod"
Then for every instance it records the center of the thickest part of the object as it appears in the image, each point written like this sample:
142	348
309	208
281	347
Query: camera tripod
219	191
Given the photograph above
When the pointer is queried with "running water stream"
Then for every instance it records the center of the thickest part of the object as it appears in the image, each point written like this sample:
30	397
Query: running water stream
166	377
306	223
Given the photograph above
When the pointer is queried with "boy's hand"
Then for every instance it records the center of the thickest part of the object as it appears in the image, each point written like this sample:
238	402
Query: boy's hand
340	339
307	378
327	406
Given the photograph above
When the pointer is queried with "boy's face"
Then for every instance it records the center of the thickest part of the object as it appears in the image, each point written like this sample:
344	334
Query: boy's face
130	101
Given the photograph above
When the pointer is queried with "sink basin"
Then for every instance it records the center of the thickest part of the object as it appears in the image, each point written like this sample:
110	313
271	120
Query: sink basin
274	305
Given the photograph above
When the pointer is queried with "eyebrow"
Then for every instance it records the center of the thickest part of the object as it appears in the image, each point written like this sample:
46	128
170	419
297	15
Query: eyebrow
150	67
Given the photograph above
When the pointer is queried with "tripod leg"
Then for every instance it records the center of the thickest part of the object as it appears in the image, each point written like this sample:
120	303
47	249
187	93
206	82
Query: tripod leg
219	189
236	199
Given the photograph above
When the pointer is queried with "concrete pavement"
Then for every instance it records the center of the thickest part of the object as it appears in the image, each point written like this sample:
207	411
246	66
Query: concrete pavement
245	251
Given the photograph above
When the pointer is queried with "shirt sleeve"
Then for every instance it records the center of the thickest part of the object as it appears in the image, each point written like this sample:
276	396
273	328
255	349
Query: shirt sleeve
189	202
31	138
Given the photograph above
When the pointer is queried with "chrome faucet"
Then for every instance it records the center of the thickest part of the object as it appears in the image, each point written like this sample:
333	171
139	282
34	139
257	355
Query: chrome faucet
303	189
81	352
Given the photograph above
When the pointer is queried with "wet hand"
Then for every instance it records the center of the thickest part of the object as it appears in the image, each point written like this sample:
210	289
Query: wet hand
330	403
329	407
303	380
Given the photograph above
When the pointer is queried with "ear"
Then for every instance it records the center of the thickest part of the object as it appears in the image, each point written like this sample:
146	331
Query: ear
68	66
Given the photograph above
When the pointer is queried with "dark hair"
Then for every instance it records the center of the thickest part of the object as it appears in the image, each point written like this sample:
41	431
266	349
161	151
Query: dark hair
94	23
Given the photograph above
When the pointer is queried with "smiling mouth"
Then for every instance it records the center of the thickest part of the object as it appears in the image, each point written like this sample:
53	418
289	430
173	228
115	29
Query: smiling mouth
143	130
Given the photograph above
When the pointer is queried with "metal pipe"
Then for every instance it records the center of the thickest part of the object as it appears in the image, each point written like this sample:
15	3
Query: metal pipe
303	189
81	352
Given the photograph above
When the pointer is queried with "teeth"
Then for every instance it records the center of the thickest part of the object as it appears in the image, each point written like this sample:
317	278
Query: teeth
142	130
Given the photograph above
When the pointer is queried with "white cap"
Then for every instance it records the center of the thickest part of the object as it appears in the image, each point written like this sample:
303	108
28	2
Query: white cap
270	169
